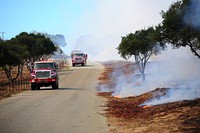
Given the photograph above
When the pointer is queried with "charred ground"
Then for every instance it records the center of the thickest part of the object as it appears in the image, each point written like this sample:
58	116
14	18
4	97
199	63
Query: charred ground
128	115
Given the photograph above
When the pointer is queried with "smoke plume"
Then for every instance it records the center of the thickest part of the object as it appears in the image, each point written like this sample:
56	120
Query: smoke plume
192	14
99	29
176	69
59	56
58	39
100	49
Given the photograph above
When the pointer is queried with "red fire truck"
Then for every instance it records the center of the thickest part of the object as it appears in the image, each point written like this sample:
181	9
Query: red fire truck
44	73
78	57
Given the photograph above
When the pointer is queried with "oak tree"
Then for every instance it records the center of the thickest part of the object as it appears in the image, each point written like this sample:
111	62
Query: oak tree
179	25
142	44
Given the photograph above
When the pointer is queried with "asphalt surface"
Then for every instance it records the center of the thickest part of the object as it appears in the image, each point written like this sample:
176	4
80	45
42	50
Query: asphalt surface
73	108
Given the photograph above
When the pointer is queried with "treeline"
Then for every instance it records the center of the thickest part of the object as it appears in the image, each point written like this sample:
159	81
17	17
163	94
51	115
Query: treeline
178	28
21	50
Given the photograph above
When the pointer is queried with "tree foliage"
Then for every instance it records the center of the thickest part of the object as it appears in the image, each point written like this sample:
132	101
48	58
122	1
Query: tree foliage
142	44
10	56
178	25
37	45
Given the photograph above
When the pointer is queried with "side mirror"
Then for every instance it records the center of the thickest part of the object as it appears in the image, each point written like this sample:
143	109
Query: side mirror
29	69
56	65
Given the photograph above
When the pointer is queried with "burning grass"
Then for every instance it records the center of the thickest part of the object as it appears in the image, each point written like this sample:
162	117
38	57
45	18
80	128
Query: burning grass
127	115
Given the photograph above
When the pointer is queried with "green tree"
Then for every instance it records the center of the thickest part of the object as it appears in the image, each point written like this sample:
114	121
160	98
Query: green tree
142	44
36	44
10	57
178	25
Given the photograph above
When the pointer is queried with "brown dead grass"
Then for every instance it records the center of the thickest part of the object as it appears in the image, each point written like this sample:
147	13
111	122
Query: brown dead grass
3	77
7	89
126	115
104	78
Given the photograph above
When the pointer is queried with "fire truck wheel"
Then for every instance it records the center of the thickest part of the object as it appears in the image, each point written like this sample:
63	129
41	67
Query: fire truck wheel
82	64
73	64
55	86
33	87
38	87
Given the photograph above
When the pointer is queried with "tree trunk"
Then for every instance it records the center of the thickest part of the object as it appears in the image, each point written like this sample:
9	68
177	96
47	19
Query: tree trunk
18	73
194	51
8	71
141	66
21	70
143	76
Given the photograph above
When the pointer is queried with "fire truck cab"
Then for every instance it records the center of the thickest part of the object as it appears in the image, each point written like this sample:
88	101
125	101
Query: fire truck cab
44	73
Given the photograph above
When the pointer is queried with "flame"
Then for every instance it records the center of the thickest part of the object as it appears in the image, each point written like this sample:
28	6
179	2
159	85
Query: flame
121	96
146	106
117	97
130	95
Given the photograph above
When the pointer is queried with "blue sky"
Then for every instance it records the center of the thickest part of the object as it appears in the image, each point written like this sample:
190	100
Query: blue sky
48	16
95	26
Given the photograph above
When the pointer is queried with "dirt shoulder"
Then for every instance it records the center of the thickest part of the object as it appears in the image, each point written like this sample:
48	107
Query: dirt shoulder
126	115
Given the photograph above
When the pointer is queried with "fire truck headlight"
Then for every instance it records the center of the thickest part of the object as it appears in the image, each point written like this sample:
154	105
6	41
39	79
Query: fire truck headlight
53	75
32	76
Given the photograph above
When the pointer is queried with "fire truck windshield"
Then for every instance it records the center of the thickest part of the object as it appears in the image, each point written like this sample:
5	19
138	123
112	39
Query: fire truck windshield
43	65
81	54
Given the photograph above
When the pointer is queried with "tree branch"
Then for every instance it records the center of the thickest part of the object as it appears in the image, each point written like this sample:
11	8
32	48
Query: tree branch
193	50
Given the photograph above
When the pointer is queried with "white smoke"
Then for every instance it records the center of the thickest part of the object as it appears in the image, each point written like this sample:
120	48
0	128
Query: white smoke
192	14
100	49
177	69
99	29
58	39
59	56
186	91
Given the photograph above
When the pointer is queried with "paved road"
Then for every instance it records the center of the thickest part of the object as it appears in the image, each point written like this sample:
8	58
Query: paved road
74	108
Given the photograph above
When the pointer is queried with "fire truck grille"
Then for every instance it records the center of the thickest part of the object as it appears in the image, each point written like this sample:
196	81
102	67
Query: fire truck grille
78	59
42	74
